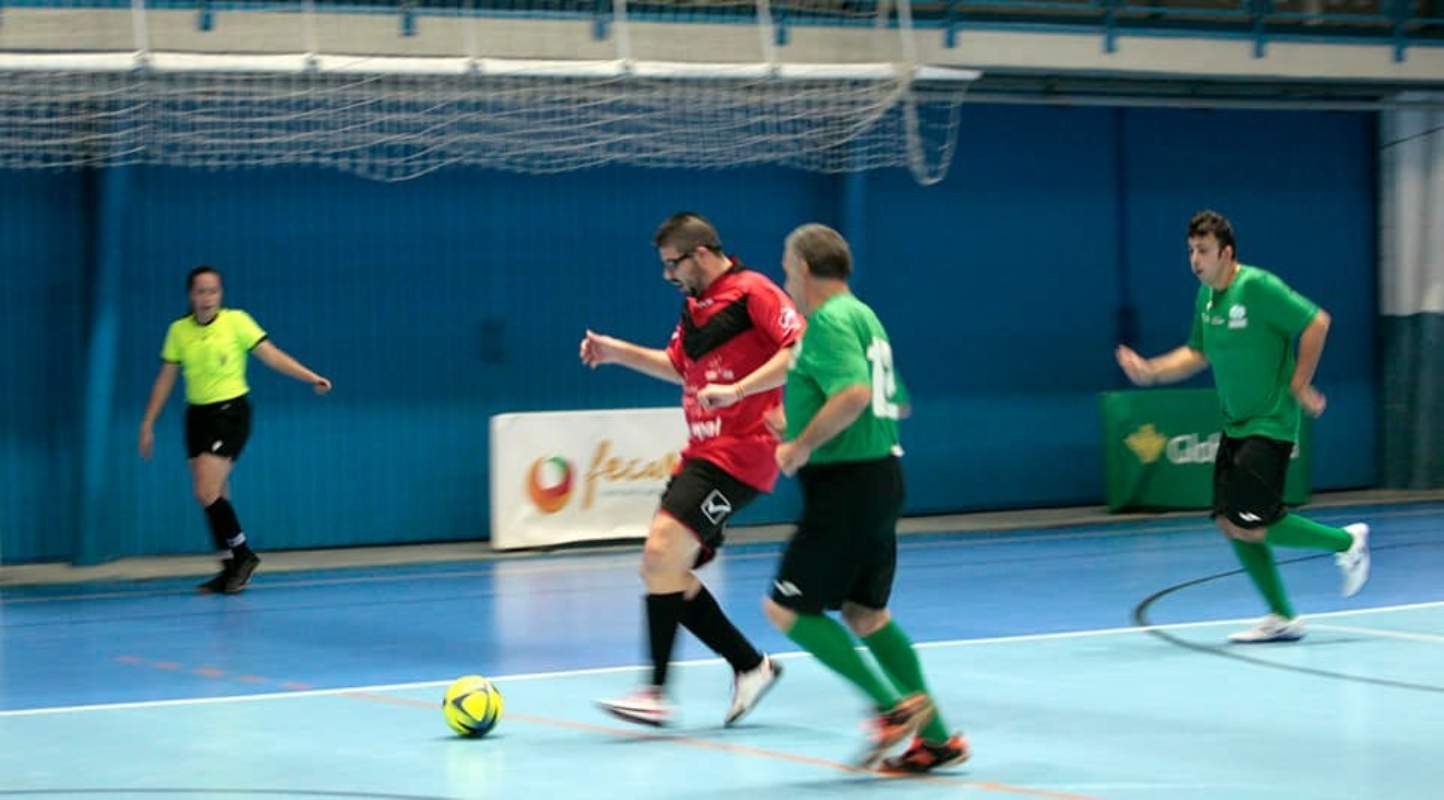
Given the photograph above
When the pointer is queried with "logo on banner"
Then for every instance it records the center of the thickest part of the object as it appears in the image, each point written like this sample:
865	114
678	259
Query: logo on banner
617	474
549	483
1190	448
1146	443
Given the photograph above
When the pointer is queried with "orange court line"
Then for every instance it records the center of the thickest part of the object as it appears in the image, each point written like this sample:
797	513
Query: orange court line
214	673
679	740
706	744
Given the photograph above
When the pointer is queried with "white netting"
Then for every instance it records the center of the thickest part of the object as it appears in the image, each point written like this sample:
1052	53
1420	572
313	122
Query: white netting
393	117
393	127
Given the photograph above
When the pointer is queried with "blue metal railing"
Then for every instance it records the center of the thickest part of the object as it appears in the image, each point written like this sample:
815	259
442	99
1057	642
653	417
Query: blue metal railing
1400	23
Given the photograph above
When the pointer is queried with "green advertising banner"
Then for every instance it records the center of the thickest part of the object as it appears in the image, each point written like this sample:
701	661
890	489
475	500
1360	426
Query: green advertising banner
1158	449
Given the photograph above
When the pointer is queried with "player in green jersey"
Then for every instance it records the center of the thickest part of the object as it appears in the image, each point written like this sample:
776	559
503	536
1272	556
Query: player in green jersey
1245	321
842	404
209	347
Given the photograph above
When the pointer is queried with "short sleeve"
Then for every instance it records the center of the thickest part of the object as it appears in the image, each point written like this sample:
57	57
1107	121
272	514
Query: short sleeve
674	351
773	313
248	333
902	396
170	351
1283	308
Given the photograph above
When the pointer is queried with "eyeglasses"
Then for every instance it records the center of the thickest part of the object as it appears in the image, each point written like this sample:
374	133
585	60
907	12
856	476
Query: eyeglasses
672	263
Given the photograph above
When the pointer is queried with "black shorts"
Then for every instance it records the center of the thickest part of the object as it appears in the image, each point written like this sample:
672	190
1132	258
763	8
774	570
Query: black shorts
702	497
220	429
1248	480
845	548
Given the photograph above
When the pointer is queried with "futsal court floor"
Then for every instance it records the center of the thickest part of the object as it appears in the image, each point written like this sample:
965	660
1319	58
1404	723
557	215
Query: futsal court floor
1082	662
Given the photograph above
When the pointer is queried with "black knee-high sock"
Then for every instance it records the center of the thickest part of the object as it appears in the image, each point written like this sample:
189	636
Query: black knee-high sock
704	618
664	613
226	528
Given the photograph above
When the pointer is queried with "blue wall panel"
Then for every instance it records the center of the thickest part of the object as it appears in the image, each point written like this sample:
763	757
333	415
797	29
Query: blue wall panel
1299	188
43	257
436	303
431	305
998	287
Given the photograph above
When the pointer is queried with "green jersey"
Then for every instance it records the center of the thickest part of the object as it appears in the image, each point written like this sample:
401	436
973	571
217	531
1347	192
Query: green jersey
845	346
212	356
1247	333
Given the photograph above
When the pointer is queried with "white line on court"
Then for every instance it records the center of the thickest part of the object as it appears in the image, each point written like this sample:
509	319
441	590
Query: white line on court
1384	633
1175	626
533	676
1140	786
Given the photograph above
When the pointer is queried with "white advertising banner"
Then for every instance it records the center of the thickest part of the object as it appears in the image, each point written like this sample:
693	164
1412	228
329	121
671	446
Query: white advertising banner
577	476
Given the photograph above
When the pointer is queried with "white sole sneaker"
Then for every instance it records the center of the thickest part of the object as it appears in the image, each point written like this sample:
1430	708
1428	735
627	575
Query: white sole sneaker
1354	562
749	687
642	707
1271	628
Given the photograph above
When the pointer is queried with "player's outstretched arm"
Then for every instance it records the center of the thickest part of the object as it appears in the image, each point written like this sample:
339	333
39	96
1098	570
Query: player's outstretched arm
281	361
1176	365
598	349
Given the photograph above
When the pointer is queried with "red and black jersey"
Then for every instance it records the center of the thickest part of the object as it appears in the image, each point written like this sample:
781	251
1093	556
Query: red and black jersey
733	328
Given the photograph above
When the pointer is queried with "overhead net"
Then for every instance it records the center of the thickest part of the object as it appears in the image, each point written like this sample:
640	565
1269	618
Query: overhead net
392	94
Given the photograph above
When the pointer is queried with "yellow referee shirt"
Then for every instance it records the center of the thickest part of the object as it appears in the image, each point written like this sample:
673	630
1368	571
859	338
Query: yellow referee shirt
212	356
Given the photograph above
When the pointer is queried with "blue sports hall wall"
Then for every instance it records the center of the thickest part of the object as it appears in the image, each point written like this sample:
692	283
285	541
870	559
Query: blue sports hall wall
436	303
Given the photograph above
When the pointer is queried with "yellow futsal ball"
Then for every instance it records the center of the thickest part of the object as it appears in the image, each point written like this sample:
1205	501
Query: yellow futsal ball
472	705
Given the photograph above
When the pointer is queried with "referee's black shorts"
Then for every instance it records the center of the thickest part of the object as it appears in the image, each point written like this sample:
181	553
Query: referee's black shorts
220	429
845	548
1248	480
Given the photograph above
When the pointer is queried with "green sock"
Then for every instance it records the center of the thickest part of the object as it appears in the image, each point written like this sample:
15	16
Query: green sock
823	637
1258	562
894	651
1296	531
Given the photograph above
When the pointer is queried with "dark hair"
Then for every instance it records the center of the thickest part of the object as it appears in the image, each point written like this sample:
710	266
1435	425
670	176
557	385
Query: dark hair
199	271
686	231
1208	222
191	282
825	251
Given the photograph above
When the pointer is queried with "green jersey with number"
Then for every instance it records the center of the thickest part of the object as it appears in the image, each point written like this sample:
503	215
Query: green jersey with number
1247	333
845	346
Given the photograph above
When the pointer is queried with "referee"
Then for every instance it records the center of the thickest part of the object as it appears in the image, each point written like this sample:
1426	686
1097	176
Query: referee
209	346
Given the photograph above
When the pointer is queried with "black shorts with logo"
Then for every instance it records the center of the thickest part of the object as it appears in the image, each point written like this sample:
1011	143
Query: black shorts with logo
220	429
1248	480
703	496
845	548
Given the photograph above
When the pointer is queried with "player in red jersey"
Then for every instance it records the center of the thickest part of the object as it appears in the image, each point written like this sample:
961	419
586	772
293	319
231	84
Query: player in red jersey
730	352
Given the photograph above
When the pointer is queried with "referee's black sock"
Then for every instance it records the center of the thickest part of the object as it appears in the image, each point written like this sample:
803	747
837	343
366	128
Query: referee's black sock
226	528
664	612
704	618
239	548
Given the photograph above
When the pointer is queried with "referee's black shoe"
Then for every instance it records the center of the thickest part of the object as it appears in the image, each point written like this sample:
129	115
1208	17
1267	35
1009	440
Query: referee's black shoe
217	584
240	573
